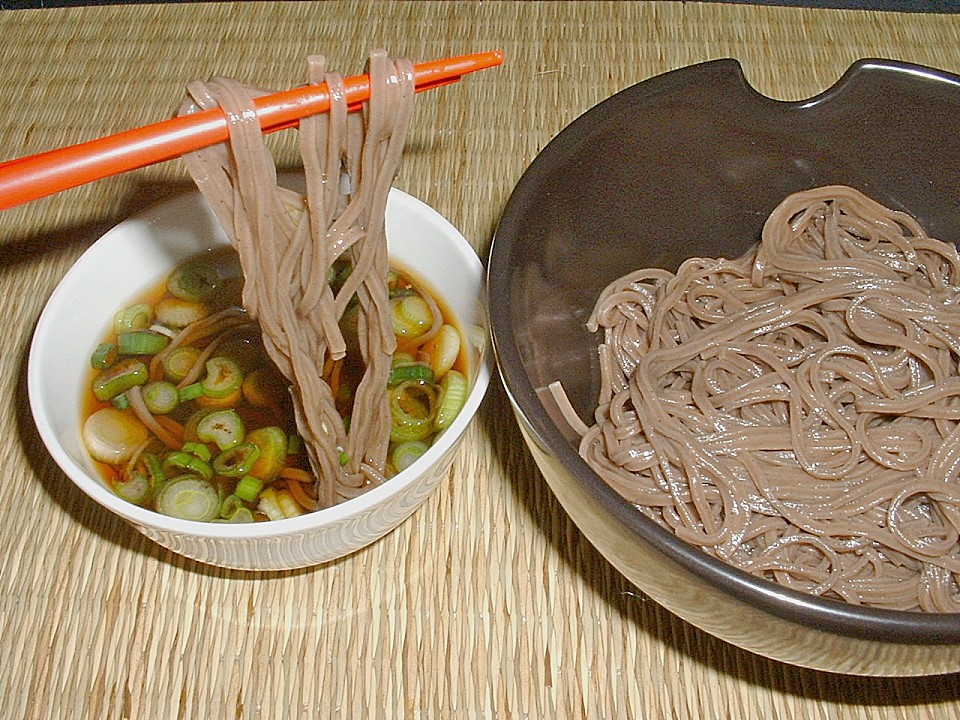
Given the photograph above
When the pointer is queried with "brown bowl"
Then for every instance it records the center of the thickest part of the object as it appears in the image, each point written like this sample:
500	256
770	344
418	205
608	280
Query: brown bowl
690	163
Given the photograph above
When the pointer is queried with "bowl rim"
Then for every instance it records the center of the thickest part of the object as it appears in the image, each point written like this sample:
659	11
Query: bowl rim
60	297
856	621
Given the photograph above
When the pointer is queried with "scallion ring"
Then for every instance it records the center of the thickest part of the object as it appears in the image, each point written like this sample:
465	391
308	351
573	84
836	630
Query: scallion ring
405	454
188	497
161	397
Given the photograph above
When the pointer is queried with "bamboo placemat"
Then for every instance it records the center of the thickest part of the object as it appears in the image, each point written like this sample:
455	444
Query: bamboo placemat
487	602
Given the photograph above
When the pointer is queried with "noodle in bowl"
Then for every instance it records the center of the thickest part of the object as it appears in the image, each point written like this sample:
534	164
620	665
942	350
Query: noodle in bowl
140	251
699	162
792	412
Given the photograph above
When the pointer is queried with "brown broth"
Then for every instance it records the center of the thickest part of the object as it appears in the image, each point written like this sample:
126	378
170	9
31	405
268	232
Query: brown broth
248	344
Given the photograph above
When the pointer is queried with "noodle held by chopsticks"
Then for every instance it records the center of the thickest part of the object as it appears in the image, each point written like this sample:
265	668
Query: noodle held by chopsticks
796	412
287	245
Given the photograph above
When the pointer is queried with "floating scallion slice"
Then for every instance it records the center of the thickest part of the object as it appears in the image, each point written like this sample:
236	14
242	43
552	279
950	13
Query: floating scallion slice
188	497
412	408
198	449
194	280
180	460
112	436
154	469
453	396
223	377
118	378
248	488
135	317
160	397
443	349
272	443
232	510
237	460
412	316
178	363
176	312
223	428
410	371
141	342
104	356
406	453
135	488
190	392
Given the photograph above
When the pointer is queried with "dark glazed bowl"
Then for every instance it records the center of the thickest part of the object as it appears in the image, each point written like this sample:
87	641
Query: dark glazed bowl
690	163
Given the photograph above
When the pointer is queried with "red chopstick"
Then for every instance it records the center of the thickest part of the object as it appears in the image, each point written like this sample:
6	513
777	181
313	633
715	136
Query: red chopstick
36	176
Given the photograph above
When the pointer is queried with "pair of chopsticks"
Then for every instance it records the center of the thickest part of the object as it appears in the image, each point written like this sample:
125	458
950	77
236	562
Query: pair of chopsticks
36	176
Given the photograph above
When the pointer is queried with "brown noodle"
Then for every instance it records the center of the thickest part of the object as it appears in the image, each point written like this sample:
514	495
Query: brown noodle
287	244
795	412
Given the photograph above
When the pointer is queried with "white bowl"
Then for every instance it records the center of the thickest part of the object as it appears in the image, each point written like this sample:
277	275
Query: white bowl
137	254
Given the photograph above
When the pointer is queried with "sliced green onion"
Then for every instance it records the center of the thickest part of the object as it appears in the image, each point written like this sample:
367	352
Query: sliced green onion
180	460
194	280
406	453
411	430
199	450
135	488
223	377
248	488
223	428
269	506
412	400
237	460
178	363
230	506
443	349
135	317
294	444
288	505
176	312
412	371
112	436
104	356
188	497
411	411
272	443
161	397
412	316
453	395
154	468
120	402
233	509
344	458
190	392
242	515
141	342
119	378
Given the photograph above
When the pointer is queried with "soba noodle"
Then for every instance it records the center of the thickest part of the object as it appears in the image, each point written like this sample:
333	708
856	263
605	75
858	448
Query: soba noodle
288	243
796	412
